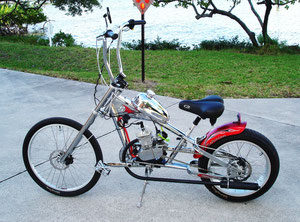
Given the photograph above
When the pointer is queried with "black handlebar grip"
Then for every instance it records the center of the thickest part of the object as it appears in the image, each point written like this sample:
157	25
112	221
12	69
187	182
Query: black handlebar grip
132	23
139	22
111	34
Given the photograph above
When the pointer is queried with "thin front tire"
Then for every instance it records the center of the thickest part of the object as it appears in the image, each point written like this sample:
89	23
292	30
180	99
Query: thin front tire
43	146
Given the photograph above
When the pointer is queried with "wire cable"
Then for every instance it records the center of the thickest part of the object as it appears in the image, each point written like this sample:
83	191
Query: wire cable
100	69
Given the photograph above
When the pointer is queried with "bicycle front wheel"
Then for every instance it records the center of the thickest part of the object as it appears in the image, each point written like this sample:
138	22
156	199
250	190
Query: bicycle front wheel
43	146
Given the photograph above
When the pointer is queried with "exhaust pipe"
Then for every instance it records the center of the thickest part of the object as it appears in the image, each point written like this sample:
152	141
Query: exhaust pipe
239	185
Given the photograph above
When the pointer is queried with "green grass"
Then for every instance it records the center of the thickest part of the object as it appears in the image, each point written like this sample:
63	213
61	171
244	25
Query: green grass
181	74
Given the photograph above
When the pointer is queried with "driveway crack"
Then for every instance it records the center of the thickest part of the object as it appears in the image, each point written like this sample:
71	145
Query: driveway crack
17	174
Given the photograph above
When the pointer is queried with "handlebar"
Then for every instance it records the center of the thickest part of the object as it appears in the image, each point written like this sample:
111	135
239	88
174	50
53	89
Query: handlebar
119	81
132	23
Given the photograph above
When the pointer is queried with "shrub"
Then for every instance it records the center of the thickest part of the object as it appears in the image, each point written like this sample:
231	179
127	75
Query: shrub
59	39
273	46
157	44
223	43
269	41
63	39
268	50
26	39
277	49
42	40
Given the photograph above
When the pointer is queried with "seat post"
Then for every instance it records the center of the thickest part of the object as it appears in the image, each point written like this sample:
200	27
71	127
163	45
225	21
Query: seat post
195	123
197	120
183	141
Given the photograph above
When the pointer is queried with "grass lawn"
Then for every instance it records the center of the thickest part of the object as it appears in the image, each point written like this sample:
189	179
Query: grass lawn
181	74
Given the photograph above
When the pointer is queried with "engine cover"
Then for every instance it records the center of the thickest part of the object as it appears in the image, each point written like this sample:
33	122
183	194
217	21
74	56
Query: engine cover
150	153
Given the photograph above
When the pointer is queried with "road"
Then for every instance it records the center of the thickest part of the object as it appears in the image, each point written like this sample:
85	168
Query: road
27	98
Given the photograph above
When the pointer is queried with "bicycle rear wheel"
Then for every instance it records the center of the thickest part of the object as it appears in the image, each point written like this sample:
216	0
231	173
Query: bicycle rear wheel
253	154
43	146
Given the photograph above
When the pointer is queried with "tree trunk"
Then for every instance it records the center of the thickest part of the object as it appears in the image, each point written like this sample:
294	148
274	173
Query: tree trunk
241	23
266	20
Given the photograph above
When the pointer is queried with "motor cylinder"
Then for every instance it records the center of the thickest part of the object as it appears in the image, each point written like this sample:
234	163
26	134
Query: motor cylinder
145	138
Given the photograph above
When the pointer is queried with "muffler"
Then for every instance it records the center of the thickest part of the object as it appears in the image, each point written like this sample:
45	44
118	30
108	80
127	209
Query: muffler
239	185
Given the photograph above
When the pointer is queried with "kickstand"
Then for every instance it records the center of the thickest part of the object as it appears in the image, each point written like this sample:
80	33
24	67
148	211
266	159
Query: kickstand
148	171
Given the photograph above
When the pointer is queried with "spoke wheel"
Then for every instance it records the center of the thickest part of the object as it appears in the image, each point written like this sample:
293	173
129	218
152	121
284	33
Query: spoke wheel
255	158
47	142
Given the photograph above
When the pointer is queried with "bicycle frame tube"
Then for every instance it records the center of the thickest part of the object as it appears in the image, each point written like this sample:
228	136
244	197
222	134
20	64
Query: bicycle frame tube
192	141
120	130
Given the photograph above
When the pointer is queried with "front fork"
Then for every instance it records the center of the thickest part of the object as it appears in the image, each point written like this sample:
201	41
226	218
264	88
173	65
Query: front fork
88	123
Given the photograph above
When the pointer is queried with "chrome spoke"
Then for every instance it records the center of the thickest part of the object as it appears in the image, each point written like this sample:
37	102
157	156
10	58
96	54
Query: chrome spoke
254	155
45	149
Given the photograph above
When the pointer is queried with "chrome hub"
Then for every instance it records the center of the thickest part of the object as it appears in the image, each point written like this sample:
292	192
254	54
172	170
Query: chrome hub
55	157
239	169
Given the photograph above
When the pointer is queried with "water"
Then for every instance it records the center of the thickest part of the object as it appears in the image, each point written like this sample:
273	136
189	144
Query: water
176	23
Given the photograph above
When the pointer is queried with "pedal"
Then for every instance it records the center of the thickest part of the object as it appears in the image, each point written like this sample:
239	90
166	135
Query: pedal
102	168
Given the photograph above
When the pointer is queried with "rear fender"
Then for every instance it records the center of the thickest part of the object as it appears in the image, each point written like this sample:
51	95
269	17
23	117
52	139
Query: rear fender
220	132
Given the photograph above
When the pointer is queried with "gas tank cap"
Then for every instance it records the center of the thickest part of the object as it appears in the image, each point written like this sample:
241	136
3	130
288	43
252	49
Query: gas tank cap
150	94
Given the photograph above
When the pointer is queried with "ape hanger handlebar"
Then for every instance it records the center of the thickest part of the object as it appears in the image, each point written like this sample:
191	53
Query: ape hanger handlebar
109	34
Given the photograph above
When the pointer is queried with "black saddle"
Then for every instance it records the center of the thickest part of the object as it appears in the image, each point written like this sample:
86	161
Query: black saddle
210	107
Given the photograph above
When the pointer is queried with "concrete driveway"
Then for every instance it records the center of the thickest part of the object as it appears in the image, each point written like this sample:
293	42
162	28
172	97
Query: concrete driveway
27	98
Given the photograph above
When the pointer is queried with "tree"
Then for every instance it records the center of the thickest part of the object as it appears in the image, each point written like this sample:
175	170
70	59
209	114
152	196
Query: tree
18	20
208	8
73	7
13	9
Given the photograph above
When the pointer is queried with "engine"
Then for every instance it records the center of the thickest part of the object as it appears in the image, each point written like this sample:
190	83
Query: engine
152	147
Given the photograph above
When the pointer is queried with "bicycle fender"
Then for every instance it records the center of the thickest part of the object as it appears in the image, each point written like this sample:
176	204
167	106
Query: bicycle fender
220	132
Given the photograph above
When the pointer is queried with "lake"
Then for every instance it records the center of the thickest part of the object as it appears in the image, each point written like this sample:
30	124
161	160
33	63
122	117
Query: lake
176	23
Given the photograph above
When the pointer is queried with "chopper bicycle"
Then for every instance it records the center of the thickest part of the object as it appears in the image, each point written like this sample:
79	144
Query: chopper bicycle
233	162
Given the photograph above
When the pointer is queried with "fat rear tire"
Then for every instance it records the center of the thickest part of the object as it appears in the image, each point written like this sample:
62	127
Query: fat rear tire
267	149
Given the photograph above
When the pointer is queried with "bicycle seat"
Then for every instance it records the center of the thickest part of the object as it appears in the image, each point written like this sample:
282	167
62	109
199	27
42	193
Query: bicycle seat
210	107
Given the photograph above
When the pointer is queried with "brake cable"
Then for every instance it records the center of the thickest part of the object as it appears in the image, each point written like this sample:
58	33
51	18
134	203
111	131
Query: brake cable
100	70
